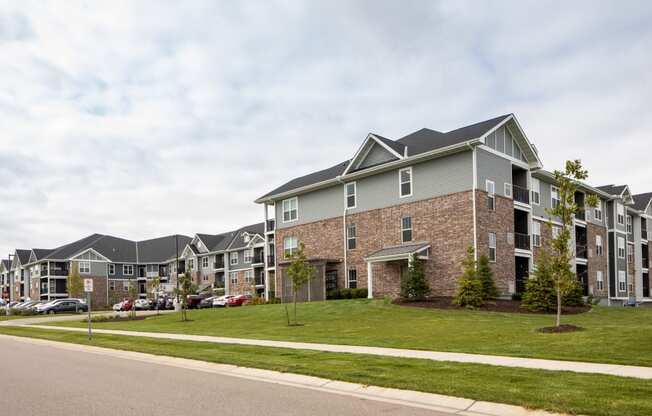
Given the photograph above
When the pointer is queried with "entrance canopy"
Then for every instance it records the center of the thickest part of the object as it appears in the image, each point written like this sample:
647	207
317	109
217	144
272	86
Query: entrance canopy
402	252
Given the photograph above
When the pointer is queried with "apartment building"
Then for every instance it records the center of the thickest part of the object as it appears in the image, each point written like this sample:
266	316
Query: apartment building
429	195
5	287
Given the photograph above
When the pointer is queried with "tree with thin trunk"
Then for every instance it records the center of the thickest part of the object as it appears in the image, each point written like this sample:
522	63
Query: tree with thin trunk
156	286
301	272
563	277
186	288
74	283
133	296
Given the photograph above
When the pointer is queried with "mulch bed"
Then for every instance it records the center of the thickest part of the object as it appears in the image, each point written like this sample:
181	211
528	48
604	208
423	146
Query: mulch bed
508	306
560	329
119	319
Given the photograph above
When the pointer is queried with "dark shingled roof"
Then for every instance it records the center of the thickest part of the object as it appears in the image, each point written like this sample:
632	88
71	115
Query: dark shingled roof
421	141
7	264
215	242
612	189
238	239
161	249
42	252
641	201
23	255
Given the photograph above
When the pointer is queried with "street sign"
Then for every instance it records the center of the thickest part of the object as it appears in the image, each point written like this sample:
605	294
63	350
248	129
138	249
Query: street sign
88	285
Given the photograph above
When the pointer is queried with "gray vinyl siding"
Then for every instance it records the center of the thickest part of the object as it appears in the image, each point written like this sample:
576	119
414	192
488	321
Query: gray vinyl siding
546	202
118	272
590	213
97	268
502	141
314	206
494	168
376	156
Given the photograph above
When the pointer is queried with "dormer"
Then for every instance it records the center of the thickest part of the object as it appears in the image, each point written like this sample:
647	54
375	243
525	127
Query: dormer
376	150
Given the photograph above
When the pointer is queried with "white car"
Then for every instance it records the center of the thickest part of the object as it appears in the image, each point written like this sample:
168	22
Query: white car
221	301
142	304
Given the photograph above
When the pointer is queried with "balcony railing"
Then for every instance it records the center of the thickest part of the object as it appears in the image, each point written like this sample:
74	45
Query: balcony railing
522	241
58	272
270	225
581	214
270	261
259	258
218	264
646	263
580	251
260	279
644	234
521	194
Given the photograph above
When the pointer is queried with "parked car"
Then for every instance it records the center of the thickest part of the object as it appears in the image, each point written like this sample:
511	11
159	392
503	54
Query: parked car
26	305
125	305
62	306
143	305
221	301
2	303
195	300
238	300
206	302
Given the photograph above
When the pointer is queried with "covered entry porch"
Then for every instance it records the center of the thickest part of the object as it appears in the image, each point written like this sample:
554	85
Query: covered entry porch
404	253
316	289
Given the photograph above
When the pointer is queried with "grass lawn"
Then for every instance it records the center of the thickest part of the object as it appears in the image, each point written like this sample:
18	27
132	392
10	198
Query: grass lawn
554	391
7	318
612	335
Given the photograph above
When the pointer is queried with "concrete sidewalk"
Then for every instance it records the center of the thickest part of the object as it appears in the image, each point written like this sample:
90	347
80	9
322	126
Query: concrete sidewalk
530	363
434	402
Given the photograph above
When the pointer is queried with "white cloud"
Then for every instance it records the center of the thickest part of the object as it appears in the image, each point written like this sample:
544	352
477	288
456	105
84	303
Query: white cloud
145	118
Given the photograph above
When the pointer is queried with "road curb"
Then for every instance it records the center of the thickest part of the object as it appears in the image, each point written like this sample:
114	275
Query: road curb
431	401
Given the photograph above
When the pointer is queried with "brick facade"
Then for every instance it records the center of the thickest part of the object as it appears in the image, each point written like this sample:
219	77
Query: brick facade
596	262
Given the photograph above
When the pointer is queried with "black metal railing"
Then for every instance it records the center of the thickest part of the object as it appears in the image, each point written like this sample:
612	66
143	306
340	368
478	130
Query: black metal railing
646	263
218	264
522	241
270	224
270	260
259	257
580	251
260	279
581	214
58	272
521	194
644	234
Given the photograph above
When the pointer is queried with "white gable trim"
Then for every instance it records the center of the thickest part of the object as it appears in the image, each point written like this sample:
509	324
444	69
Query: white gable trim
187	252
523	143
73	257
363	151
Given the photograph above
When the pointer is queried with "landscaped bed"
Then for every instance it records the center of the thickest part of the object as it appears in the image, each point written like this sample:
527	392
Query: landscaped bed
499	305
613	335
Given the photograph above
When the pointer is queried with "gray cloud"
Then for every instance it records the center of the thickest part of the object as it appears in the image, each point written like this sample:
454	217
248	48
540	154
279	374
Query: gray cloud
145	118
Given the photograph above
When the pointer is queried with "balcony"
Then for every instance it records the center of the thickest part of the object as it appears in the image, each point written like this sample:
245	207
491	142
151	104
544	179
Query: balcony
270	225
581	214
521	194
260	279
581	251
259	258
218	264
522	241
644	234
646	263
270	260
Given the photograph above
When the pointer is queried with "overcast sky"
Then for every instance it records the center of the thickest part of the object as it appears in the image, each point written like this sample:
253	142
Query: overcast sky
140	119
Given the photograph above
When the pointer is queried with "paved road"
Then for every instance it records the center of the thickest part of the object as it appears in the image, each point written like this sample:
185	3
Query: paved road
43	380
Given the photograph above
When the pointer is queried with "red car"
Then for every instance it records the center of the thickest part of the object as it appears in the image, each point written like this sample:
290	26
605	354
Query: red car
238	300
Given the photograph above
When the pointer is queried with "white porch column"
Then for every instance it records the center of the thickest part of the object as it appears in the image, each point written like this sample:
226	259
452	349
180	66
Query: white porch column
266	253
370	280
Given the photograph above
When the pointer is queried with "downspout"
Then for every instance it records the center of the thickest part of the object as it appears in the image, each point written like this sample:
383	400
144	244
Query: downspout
475	214
346	277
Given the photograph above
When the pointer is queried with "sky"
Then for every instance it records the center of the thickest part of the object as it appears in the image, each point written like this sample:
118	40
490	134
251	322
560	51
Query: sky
140	119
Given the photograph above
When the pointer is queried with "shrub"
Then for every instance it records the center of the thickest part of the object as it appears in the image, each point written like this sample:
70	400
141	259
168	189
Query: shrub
574	296
517	296
486	276
361	293
346	294
256	300
414	285
469	290
540	294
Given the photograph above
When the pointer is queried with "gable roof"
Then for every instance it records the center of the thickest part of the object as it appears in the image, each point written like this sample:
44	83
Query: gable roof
642	201
161	249
6	264
416	143
23	255
41	252
238	235
613	189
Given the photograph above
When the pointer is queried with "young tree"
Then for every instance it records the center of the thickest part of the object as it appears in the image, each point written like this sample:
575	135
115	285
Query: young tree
156	286
74	283
539	293
133	296
486	276
563	277
186	288
301	272
414	285
469	289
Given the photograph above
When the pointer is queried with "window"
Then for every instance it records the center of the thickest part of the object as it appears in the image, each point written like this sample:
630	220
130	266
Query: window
234	278
249	276
599	280
128	269
536	234
350	237
599	250
350	195
554	197
490	187
597	212
353	278
191	264
622	280
111	269
508	190
290	209
204	278
233	258
111	284
536	191
630	253
248	255
204	262
406	229
555	231
84	267
621	247
405	182
290	245
629	224
620	208
492	247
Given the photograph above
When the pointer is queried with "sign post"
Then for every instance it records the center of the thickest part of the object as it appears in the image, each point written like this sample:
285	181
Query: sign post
88	288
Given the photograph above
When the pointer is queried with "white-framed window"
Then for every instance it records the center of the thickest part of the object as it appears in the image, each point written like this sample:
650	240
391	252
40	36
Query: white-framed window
406	229
84	267
234	278
290	209
111	269
249	276
290	245
622	280
405	182
620	211
490	187
353	278
492	247
111	284
630	253
621	248
248	255
233	258
555	231
536	192
125	285
351	237
599	248
128	269
191	264
508	190
536	233
599	280
597	212
350	195
554	197
630	227
204	262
